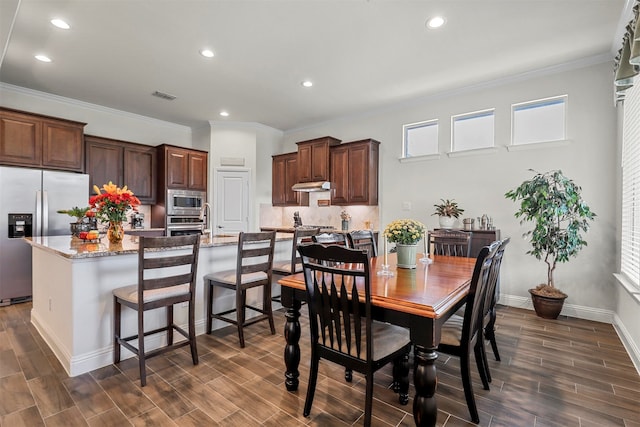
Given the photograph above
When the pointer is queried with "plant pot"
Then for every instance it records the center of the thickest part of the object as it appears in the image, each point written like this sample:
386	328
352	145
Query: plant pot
406	255
447	221
547	307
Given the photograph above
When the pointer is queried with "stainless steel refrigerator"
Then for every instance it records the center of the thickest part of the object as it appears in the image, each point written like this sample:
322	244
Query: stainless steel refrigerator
29	199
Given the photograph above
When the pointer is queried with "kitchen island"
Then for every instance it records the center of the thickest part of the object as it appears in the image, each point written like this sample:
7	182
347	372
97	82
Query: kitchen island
73	282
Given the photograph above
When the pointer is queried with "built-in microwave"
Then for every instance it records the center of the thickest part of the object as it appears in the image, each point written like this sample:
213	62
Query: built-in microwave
185	202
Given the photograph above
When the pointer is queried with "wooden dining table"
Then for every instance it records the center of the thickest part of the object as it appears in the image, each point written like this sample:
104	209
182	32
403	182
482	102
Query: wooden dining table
420	299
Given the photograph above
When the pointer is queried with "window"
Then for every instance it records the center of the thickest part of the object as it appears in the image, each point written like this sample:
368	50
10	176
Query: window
542	120
420	139
630	250
471	131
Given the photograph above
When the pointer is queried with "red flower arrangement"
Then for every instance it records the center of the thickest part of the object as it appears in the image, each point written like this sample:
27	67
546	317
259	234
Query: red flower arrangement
112	205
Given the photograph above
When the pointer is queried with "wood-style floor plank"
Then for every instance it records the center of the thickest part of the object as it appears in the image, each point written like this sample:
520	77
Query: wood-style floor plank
563	373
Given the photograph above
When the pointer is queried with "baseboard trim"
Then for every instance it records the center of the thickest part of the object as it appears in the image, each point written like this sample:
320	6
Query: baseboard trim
627	342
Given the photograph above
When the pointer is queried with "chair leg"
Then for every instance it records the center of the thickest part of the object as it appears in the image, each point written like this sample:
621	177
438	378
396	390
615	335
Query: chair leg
141	353
468	388
401	368
348	375
490	333
170	325
313	379
241	299
117	309
266	306
209	319
368	403
192	332
481	363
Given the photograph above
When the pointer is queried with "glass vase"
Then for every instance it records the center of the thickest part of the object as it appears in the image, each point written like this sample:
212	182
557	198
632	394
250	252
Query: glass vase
115	232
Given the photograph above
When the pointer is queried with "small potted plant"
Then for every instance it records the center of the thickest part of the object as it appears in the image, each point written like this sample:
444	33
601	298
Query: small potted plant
405	233
448	211
345	217
79	214
554	204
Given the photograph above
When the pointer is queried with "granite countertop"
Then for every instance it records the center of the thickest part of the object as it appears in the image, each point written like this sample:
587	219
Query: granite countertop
74	248
283	229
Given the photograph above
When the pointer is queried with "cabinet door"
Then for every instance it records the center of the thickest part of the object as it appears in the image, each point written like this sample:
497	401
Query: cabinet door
278	180
62	145
20	140
197	174
320	161
140	171
359	174
305	163
340	175
291	177
103	163
177	168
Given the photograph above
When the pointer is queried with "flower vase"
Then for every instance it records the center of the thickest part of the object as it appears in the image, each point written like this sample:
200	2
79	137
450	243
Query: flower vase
345	225
115	232
406	255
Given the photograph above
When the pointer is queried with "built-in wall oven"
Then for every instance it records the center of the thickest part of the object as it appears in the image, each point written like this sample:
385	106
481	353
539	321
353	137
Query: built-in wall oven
185	202
184	212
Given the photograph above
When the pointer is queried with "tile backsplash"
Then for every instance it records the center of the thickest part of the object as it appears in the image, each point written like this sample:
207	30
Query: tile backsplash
274	216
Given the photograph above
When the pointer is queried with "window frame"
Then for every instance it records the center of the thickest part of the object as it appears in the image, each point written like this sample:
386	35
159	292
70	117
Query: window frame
470	116
552	100
418	125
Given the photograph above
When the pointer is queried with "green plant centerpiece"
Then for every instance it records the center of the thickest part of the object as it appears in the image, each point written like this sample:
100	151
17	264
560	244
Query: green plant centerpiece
405	233
448	211
81	223
76	212
554	204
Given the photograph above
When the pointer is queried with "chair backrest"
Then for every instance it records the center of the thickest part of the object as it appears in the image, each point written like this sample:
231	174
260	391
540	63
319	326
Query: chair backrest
451	242
363	239
490	298
165	268
477	293
255	253
336	316
300	236
331	239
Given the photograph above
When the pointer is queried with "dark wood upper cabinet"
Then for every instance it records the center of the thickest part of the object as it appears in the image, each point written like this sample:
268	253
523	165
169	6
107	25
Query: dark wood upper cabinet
284	174
313	159
40	141
123	163
354	173
182	168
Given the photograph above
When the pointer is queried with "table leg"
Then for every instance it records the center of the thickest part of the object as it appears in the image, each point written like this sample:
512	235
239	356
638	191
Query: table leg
292	349
425	409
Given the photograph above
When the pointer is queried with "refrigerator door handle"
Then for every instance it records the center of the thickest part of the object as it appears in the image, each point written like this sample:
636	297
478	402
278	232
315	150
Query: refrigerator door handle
38	218
45	214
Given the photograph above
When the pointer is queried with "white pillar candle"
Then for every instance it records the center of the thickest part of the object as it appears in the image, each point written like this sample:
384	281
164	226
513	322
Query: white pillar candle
385	251
424	239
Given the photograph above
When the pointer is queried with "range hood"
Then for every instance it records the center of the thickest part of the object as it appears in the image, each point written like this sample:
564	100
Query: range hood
310	187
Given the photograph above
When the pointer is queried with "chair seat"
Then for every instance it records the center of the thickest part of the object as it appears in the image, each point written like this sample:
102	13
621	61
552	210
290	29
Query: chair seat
130	293
387	338
284	267
229	277
451	333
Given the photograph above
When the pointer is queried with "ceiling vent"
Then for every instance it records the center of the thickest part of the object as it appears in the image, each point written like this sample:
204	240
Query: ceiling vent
164	95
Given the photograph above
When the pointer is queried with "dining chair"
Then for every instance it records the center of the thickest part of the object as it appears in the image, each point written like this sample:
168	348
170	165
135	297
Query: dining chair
338	292
363	239
293	264
489	310
450	242
254	263
459	335
166	276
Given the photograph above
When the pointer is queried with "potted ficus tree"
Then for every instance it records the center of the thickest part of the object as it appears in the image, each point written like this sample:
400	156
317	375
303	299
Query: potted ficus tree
448	211
554	204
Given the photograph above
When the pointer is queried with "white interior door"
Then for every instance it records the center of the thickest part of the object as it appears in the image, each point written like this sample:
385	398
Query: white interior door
232	201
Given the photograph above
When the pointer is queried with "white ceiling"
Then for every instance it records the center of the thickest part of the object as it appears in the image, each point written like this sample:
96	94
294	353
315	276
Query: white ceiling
361	55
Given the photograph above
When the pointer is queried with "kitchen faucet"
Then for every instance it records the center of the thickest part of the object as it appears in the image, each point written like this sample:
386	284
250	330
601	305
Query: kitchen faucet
206	230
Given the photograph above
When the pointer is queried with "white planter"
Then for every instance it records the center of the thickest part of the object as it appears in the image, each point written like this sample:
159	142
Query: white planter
447	221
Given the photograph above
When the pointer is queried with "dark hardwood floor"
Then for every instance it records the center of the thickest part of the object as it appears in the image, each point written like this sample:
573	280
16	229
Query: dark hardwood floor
567	372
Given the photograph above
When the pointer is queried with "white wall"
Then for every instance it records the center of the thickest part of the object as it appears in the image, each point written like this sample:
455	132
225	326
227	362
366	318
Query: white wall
479	182
101	121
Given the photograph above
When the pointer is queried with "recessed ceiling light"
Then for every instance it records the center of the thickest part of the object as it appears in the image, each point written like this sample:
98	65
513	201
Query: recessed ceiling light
60	24
207	53
307	83
43	58
224	113
435	22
